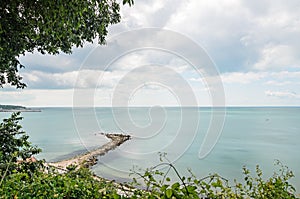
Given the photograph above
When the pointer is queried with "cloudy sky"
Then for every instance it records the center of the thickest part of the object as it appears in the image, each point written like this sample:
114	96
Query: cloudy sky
254	45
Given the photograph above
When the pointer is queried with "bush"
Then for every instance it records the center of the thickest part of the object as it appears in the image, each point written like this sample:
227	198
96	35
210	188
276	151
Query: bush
16	150
73	184
158	185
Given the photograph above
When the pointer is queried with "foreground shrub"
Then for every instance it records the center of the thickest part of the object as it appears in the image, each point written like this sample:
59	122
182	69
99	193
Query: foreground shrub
158	185
82	183
73	184
15	149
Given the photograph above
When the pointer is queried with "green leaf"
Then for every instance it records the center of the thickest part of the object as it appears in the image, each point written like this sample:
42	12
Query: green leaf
164	187
169	193
176	185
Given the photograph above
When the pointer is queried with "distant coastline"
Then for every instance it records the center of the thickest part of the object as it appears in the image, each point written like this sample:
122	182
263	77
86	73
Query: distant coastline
20	110
14	108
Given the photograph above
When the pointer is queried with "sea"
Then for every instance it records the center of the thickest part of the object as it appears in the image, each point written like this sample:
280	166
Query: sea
201	140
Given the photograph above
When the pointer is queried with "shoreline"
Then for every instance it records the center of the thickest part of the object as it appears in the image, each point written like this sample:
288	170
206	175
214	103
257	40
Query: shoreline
90	158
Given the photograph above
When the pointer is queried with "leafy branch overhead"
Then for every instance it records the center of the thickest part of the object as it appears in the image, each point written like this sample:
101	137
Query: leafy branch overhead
50	27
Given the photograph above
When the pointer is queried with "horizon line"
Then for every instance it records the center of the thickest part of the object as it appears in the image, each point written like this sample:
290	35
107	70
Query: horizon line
229	106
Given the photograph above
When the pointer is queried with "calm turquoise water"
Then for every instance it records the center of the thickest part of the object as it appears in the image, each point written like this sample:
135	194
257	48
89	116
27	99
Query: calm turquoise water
250	136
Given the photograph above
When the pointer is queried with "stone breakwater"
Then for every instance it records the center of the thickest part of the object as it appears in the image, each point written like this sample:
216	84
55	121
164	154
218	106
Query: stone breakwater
90	158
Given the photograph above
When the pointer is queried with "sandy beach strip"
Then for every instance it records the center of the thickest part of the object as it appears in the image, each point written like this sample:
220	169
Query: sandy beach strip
90	158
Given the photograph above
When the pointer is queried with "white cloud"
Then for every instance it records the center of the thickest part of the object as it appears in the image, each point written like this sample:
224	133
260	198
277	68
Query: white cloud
263	34
280	78
18	97
277	57
277	83
37	97
286	74
209	21
49	63
243	78
69	80
38	79
148	13
282	94
105	82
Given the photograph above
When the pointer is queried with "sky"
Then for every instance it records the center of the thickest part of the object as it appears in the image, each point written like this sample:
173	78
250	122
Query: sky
254	47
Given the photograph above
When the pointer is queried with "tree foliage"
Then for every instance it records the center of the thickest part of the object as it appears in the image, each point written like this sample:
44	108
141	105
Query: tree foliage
15	147
50	27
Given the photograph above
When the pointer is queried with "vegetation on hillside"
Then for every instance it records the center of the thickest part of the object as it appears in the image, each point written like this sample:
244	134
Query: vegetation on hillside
11	107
